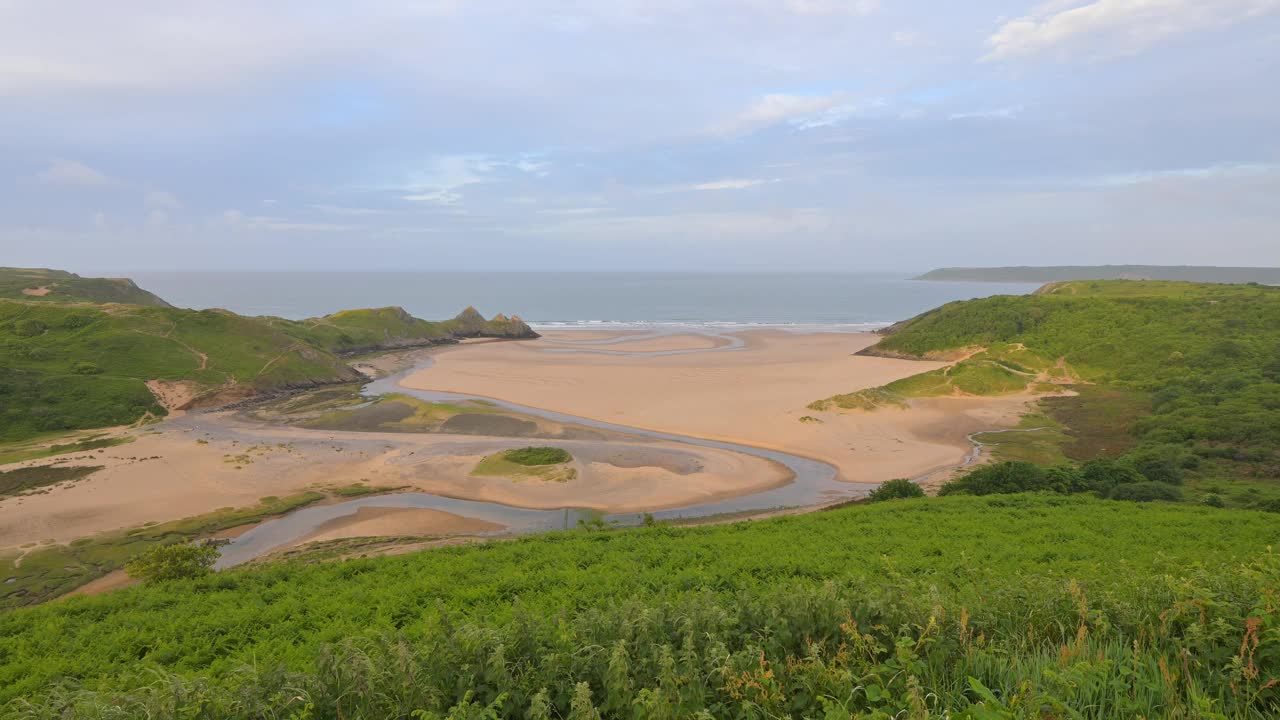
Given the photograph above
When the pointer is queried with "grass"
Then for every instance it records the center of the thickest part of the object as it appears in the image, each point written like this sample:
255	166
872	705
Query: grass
26	480
1160	370
42	446
358	489
69	287
541	463
1038	439
1053	606
1100	418
533	456
76	366
52	570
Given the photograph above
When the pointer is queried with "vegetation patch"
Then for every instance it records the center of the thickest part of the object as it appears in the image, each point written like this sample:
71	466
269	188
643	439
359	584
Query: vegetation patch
50	571
360	488
899	489
542	463
41	447
31	479
1009	606
533	456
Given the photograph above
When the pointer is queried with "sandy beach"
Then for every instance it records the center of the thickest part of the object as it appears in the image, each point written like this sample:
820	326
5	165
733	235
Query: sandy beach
754	395
749	388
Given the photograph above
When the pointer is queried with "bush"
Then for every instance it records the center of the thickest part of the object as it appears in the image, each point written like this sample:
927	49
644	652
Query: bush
173	562
1104	475
896	490
1146	492
81	367
29	328
1214	501
998	478
1065	479
538	456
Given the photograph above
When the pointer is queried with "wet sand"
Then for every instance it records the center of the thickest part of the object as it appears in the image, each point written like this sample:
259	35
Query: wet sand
205	461
390	522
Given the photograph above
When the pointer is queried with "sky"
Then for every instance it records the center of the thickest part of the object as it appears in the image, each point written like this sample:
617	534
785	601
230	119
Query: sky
789	135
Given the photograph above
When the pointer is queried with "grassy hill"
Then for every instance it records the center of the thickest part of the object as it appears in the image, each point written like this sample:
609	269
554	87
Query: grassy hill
1190	373
69	366
1187	273
62	286
367	330
1003	607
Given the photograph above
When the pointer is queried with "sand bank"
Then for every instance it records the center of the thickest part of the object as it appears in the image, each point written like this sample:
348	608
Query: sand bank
205	461
386	522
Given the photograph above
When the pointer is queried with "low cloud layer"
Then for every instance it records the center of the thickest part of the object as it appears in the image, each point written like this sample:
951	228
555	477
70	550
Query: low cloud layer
767	134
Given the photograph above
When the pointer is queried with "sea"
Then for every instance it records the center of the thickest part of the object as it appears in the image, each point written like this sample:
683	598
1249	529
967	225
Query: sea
604	300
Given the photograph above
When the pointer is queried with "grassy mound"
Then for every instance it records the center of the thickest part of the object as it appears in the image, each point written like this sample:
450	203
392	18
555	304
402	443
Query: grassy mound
538	456
1009	606
542	463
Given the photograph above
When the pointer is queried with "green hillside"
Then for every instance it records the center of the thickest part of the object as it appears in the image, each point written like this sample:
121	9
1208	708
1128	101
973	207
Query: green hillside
356	331
1189	373
69	366
66	367
1184	273
62	286
1001	607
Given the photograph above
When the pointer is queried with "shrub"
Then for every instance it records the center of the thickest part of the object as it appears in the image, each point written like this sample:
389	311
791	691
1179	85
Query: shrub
998	478
1146	492
1161	470
29	328
81	367
1065	479
1214	501
1103	475
896	490
538	456
173	562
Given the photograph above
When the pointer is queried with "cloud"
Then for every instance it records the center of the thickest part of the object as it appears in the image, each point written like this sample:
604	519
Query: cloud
439	185
1114	27
696	224
348	211
70	172
1004	113
241	221
908	38
773	109
1208	173
833	7
573	211
728	184
161	200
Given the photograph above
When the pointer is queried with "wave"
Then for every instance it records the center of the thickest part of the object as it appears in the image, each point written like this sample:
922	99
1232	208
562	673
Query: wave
706	325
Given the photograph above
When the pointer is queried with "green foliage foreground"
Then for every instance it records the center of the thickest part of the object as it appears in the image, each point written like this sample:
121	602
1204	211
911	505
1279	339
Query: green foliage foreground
1021	606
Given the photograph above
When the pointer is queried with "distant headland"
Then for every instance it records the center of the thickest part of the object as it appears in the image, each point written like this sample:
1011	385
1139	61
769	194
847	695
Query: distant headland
1055	273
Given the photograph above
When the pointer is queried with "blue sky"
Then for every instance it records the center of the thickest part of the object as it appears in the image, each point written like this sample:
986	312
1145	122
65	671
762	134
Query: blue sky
623	134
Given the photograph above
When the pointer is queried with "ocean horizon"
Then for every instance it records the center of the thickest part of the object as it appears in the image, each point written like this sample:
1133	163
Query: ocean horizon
845	301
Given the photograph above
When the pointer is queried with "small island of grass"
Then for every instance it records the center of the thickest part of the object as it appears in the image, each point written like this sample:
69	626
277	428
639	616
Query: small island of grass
543	463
